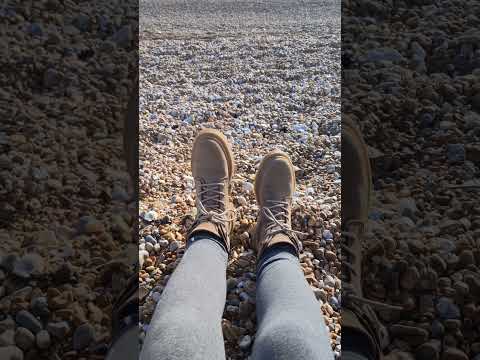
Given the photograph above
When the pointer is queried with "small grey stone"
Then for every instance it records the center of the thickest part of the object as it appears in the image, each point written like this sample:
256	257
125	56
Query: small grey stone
7	262
245	342
451	353
51	78
35	29
27	320
83	336
173	246
82	22
163	243
231	283
40	307
429	350
43	339
24	338
245	309
150	239
407	207
7	338
472	120
149	247
248	187
123	37
7	324
447	309
150	216
329	281
11	353
413	335
58	329
456	153
384	54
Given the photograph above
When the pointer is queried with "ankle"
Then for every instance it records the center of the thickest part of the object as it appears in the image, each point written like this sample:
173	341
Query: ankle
274	253
204	235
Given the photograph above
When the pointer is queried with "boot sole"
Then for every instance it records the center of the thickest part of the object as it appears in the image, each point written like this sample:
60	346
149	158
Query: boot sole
225	145
267	158
349	126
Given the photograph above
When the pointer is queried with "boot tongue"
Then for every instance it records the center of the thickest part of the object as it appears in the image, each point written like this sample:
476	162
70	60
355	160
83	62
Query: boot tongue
207	226
280	238
213	203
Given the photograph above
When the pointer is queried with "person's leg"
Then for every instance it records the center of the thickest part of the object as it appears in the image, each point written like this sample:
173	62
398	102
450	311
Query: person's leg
126	346
187	320
290	323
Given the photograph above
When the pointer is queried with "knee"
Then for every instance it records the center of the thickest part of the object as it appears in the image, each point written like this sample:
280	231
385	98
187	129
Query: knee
291	339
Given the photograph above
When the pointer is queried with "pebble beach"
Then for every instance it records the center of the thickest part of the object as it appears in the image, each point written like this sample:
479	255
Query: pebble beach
266	74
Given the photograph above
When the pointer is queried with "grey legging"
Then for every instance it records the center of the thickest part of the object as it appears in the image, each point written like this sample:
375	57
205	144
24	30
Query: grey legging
187	320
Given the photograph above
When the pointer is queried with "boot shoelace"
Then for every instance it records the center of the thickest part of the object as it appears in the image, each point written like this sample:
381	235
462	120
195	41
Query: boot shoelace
213	195
348	291
278	214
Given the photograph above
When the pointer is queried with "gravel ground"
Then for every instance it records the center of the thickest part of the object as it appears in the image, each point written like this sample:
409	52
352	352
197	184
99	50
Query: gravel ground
411	77
65	222
267	74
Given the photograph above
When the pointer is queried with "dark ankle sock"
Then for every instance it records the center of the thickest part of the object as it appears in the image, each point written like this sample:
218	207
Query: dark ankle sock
200	235
274	253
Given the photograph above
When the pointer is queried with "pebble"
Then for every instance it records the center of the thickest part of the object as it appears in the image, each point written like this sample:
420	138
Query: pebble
327	235
149	247
24	338
410	334
163	243
43	339
150	216
150	239
451	353
456	153
123	37
242	201
447	309
174	245
58	329
7	337
28	321
11	353
83	336
245	342
247	187
425	171
329	281
429	350
40	307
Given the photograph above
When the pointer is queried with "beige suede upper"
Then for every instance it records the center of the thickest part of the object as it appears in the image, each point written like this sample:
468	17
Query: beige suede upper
356	183
274	188
212	169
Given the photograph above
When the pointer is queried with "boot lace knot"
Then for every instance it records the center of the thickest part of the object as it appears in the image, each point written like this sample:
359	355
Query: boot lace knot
211	205
277	213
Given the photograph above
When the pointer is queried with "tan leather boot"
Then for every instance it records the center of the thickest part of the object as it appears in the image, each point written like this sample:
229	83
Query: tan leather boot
212	169
274	188
357	312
